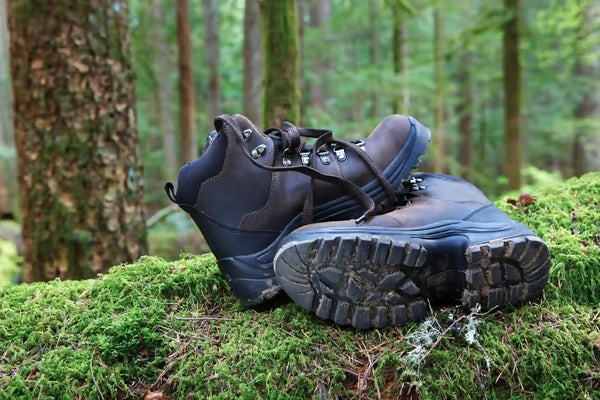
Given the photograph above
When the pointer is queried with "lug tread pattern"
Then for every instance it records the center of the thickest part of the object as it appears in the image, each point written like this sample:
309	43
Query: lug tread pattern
511	271
353	281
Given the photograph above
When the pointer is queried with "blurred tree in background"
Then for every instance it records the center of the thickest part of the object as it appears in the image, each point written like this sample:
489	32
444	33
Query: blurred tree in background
510	89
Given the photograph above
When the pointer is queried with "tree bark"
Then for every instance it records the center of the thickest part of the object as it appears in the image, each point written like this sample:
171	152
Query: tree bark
162	69
211	13
512	96
7	164
440	152
464	110
400	54
252	62
375	53
320	16
187	98
587	114
281	62
75	128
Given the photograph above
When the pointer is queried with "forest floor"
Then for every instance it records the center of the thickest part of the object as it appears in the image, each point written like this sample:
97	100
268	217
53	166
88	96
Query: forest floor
173	330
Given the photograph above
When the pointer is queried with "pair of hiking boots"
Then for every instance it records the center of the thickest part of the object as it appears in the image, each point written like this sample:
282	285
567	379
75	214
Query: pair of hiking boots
394	240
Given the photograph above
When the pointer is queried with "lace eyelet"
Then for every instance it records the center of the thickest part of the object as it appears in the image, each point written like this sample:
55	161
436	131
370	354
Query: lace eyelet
258	151
324	156
246	133
305	156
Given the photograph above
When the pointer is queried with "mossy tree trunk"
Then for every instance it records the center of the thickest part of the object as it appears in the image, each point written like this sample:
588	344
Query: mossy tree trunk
75	128
587	114
281	62
320	19
512	96
400	54
464	110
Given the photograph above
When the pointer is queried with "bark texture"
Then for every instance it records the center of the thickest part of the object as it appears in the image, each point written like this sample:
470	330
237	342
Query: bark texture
400	54
320	17
8	185
252	62
187	95
78	156
163	65
211	24
440	151
513	139
587	114
281	62
464	110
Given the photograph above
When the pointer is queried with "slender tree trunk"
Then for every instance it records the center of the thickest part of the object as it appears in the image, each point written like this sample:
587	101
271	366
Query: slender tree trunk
375	22
587	114
440	147
464	110
7	166
304	87
78	153
187	98
162	69
512	96
320	15
400	53
211	15
281	62
252	61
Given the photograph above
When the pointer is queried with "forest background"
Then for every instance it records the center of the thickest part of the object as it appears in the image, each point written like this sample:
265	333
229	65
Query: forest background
510	89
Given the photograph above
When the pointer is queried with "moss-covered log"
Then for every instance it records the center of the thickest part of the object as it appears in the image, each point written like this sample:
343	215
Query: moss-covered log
281	62
173	330
75	129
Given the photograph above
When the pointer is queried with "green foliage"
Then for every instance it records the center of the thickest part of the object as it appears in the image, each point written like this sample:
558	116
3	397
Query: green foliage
174	327
9	261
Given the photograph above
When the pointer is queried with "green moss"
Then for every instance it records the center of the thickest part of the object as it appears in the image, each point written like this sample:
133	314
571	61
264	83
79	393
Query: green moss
175	327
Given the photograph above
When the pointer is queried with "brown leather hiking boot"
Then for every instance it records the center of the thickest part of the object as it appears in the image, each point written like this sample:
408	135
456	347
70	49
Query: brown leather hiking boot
249	189
448	243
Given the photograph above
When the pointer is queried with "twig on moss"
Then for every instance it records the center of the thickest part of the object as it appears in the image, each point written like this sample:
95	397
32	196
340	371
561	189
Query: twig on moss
94	379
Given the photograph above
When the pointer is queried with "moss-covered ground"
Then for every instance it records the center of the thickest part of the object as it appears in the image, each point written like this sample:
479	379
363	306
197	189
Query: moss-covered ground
172	330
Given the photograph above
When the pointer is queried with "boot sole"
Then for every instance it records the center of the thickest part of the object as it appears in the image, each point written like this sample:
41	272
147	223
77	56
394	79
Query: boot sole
377	281
251	276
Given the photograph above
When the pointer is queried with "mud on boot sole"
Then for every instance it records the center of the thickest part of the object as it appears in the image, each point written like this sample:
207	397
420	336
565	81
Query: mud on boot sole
354	281
511	271
381	281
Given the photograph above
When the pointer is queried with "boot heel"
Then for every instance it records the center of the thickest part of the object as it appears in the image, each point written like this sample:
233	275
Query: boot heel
506	271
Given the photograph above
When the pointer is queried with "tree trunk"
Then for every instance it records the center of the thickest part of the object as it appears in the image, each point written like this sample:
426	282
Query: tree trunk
512	96
252	62
375	21
7	164
440	146
400	52
281	62
162	69
187	98
464	110
587	114
320	16
301	6
78	153
211	13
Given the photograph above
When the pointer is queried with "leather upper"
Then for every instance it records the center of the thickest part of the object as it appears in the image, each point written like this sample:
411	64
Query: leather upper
442	198
244	196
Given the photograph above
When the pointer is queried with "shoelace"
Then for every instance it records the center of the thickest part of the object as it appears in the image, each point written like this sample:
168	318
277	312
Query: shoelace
292	142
